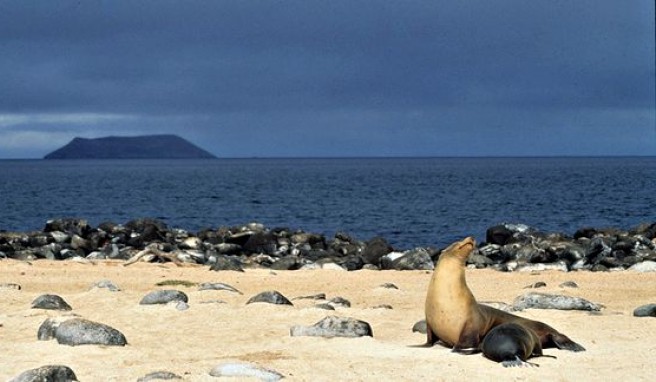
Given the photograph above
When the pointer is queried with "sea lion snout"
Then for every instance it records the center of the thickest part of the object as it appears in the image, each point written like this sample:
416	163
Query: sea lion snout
467	243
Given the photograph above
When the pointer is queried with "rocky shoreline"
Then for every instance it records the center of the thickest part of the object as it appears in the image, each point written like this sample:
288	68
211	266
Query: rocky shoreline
507	247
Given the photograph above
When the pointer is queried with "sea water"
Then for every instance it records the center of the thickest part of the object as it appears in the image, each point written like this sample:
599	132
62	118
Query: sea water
409	201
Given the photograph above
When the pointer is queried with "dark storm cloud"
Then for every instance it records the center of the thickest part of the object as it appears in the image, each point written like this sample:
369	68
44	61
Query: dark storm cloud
311	66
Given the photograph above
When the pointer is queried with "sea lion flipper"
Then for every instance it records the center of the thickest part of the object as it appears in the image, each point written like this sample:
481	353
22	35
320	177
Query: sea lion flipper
564	343
517	362
469	341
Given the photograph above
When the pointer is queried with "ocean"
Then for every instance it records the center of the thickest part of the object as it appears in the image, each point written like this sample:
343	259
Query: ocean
411	202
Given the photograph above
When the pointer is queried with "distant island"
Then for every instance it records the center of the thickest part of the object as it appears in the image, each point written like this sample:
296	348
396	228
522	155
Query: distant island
139	147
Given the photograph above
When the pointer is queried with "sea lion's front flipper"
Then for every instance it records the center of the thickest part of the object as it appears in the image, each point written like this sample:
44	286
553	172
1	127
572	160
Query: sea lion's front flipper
564	343
468	343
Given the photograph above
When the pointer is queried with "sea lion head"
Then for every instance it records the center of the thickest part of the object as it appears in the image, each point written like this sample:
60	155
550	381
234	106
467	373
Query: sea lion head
460	250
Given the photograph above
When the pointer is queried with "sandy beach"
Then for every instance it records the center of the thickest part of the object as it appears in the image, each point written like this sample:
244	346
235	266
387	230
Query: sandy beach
191	342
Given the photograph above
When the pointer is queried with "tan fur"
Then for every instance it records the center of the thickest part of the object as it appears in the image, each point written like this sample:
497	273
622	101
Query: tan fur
455	318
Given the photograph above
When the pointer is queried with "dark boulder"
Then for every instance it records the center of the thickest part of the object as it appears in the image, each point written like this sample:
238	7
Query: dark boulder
50	302
375	249
261	242
270	297
499	235
70	226
648	310
226	263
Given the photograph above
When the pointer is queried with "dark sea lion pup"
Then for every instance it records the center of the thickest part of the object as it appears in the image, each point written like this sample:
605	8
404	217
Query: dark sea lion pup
511	344
454	318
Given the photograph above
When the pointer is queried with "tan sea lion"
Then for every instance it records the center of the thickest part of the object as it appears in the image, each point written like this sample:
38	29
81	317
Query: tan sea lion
454	318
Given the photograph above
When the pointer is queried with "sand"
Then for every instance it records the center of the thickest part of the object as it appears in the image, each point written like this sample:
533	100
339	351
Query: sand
191	342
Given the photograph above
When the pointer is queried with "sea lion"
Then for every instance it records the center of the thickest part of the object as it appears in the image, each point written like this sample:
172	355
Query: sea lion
454	318
511	344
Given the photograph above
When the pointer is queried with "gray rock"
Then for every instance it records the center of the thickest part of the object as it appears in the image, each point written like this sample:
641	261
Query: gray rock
218	286
324	306
420	327
50	302
551	301
226	263
415	259
318	296
645	266
340	302
158	375
333	326
648	310
47	329
271	297
242	369
106	284
163	297
539	284
375	249
569	284
50	373
383	306
78	331
181	305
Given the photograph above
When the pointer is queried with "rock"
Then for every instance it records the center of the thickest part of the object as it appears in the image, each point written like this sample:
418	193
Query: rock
383	306
318	296
244	370
499	235
78	227
375	249
479	260
163	297
415	259
50	373
420	327
648	310
106	284
271	297
191	243
181	305
324	306
558	266
78	331
158	375
389	286
645	266
13	286
340	302
535	300
569	284
261	242
50	302
47	329
333	326
218	286
226	263
539	284
287	263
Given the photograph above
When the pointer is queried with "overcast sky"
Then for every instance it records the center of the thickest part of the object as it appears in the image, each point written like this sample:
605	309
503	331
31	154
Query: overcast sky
250	78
